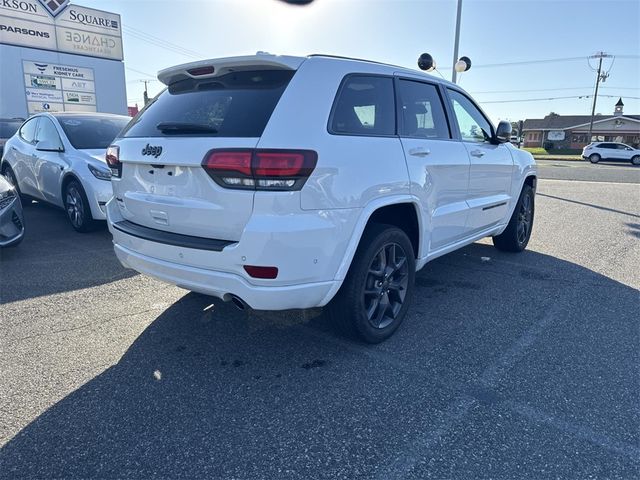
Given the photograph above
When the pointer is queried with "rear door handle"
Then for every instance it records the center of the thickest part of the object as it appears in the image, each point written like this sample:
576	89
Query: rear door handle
477	153
419	152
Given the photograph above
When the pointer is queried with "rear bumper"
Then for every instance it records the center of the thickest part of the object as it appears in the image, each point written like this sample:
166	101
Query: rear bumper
99	192
223	285
303	247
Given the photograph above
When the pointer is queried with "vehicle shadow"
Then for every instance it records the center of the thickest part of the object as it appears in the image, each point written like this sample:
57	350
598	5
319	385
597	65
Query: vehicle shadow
54	258
633	229
613	163
209	391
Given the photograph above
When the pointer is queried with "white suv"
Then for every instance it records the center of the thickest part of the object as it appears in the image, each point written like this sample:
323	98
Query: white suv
297	182
594	152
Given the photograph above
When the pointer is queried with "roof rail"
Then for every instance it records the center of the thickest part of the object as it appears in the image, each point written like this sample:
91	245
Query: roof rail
340	57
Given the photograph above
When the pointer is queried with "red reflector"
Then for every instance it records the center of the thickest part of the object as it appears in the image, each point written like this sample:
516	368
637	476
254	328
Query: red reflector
261	272
201	71
229	161
278	164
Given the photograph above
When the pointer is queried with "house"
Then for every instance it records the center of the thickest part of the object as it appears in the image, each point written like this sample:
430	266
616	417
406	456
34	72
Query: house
571	132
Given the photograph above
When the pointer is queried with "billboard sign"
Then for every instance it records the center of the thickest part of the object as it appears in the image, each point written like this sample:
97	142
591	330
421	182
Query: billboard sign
57	25
58	88
54	7
556	135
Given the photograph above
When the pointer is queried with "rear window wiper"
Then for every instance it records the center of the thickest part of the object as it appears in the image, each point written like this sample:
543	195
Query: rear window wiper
182	127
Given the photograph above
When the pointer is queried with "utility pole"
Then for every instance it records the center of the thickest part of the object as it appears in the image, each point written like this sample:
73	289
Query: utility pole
600	76
146	93
456	44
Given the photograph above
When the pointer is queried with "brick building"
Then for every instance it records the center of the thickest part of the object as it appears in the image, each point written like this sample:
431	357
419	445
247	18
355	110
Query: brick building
570	132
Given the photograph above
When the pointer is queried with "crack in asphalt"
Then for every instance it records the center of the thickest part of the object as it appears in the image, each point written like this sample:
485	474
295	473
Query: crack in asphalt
79	327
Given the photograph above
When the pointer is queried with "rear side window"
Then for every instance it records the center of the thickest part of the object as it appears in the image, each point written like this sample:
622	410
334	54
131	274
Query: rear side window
422	111
28	130
237	104
365	105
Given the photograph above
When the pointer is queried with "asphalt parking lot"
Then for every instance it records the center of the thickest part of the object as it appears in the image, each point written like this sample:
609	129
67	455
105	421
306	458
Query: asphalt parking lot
508	366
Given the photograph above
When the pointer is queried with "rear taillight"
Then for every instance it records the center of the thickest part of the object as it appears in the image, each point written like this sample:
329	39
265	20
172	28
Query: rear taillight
113	160
276	170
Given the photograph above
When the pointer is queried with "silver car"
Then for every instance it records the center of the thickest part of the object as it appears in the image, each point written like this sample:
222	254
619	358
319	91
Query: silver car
11	219
60	159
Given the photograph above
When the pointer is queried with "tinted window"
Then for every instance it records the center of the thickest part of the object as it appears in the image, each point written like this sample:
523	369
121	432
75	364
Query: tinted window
474	127
91	132
365	106
422	111
28	130
47	131
237	104
9	127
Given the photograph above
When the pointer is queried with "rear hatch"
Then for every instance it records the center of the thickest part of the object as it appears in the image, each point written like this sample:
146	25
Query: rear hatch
206	106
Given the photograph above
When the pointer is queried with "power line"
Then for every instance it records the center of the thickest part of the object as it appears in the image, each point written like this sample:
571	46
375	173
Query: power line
142	33
160	42
549	60
550	90
553	98
140	72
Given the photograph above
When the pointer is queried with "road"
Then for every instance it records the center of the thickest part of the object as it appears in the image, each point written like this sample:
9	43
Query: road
508	365
619	172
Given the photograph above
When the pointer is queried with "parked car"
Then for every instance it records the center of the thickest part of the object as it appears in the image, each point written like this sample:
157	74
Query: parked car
59	158
8	127
594	152
11	219
295	182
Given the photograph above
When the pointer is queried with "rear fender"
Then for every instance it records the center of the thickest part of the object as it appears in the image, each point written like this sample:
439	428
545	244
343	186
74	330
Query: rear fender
358	231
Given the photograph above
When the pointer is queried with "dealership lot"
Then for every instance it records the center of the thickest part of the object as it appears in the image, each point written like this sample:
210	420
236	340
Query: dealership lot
508	366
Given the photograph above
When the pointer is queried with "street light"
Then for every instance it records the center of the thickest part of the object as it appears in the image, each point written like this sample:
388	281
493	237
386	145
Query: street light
456	43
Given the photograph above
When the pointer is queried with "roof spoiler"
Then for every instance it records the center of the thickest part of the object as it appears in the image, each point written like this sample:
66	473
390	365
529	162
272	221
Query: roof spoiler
220	66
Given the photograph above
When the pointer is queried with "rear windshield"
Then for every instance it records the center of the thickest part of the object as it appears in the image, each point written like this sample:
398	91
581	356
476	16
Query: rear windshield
91	132
9	127
237	104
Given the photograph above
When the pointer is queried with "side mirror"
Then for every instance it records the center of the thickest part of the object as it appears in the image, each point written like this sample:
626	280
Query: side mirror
49	146
503	132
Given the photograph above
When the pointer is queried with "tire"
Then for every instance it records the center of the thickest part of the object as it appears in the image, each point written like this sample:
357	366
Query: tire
594	158
636	160
375	295
518	232
77	207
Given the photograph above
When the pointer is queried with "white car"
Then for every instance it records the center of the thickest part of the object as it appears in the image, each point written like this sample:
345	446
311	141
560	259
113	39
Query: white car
594	152
284	182
59	158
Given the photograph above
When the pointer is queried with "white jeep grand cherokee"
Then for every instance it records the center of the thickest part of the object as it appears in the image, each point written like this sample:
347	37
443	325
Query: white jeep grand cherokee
290	183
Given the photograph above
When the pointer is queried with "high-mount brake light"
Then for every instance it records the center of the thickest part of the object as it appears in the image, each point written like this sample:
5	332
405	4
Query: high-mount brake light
113	160
262	169
196	72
